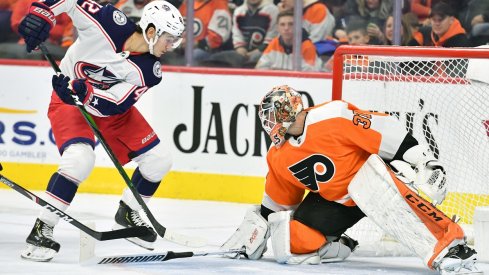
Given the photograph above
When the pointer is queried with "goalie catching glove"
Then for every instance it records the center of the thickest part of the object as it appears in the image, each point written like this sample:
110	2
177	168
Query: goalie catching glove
252	235
428	175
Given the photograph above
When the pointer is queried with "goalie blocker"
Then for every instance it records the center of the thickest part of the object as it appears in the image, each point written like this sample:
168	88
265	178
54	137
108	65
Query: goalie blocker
410	219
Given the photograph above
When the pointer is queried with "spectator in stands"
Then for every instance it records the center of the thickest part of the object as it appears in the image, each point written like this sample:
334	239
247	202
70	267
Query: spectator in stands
357	36
278	54
317	20
422	8
6	34
374	12
233	4
334	5
475	20
357	33
339	10
413	22
60	37
133	9
212	27
406	32
445	30
254	26
377	36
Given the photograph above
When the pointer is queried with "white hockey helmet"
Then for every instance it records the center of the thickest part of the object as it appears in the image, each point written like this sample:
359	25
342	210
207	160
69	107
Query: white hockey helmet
165	18
278	110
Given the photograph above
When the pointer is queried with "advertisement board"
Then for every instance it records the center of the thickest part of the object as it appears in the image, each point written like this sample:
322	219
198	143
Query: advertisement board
206	117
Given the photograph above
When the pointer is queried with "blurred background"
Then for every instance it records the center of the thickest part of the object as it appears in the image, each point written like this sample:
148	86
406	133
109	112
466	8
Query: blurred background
266	34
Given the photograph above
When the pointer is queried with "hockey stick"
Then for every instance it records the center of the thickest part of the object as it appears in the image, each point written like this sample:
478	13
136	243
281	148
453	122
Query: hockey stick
154	257
160	229
101	236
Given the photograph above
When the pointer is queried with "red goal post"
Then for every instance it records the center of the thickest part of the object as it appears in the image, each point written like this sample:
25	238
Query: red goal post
442	96
394	51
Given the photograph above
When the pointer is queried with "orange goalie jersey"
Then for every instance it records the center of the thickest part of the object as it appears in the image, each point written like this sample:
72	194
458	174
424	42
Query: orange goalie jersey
326	156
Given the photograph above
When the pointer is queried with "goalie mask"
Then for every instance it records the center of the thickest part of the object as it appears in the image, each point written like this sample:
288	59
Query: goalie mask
166	19
278	110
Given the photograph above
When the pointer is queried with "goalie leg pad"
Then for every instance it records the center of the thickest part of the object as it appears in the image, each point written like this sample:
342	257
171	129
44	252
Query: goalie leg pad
280	235
252	234
401	213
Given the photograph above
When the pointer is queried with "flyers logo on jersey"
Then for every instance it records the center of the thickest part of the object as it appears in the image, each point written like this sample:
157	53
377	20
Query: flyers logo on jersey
99	77
313	170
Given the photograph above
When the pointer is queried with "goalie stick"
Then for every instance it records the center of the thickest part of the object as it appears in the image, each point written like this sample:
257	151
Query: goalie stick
160	229
136	231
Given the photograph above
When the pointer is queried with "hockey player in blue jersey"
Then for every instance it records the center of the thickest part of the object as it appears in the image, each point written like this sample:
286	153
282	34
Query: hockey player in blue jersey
111	64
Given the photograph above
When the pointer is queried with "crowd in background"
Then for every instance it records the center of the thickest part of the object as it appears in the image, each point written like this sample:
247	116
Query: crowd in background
259	33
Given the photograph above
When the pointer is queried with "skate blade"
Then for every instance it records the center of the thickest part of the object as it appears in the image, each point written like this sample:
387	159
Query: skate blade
37	254
472	272
137	241
468	266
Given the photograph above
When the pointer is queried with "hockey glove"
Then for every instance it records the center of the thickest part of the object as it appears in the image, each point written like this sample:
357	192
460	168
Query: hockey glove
35	27
80	92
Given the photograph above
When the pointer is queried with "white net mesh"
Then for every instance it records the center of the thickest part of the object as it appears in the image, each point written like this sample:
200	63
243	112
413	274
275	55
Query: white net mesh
441	105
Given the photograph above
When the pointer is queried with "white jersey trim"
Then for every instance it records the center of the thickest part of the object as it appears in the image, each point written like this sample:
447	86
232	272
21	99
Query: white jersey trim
139	71
272	205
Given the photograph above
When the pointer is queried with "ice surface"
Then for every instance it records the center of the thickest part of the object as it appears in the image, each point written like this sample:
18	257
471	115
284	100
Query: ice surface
215	221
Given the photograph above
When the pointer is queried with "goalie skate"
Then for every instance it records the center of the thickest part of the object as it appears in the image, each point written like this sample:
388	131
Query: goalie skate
126	217
460	259
41	247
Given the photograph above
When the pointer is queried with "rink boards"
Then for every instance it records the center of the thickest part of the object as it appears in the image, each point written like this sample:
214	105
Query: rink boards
207	119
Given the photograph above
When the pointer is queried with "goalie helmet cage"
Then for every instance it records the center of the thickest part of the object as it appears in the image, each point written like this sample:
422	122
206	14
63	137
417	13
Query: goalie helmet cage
442	97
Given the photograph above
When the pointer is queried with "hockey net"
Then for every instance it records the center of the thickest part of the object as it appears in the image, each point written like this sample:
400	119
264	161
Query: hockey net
442	97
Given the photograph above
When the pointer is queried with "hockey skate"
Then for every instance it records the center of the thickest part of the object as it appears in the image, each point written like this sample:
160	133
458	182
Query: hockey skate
41	247
460	259
348	241
337	250
126	217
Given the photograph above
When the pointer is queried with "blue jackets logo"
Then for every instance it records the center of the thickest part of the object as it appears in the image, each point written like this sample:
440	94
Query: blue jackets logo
99	77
